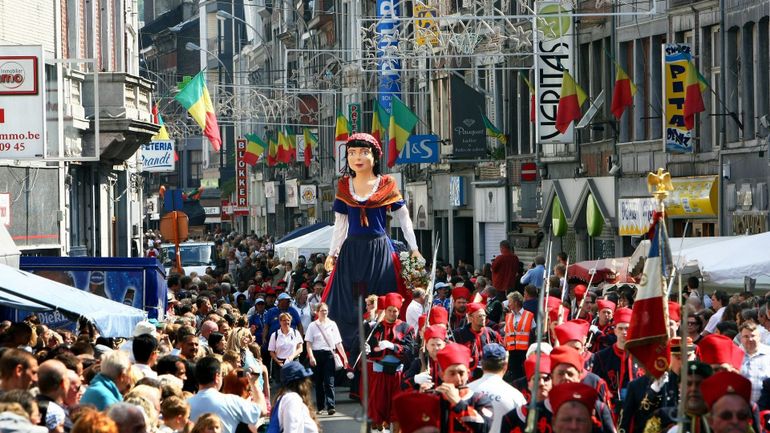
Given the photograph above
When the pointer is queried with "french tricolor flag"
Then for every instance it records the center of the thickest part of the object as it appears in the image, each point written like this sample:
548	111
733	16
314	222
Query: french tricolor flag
648	331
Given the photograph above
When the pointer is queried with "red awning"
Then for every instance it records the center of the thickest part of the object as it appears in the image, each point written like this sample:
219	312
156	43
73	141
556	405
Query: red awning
614	270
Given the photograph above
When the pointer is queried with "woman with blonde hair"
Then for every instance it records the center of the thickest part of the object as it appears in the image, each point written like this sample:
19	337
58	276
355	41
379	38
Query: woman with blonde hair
285	344
240	342
207	423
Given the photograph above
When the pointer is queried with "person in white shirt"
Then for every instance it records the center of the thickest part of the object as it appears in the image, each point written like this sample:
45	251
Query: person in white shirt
719	301
302	305
756	361
285	344
323	339
293	410
505	398
415	308
145	351
231	409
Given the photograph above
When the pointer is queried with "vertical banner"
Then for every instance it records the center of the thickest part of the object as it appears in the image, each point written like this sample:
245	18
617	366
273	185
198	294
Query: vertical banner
469	135
292	193
426	29
354	116
299	139
241	180
676	62
555	53
388	64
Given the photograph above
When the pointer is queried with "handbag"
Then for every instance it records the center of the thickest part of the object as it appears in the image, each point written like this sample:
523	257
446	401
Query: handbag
338	364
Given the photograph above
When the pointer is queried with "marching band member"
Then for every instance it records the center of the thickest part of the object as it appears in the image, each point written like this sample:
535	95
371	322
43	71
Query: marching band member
475	335
461	409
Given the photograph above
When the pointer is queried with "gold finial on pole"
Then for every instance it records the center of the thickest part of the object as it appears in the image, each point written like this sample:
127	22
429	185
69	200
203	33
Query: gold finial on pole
659	184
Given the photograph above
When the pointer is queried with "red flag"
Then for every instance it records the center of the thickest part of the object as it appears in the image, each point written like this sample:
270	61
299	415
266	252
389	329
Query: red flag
647	337
693	98
623	94
571	99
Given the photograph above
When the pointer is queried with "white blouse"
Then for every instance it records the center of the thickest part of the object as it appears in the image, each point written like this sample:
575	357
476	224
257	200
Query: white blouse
294	415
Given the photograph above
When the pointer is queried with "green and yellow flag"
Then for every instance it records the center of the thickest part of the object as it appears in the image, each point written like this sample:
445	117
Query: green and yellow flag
195	98
255	147
402	121
492	130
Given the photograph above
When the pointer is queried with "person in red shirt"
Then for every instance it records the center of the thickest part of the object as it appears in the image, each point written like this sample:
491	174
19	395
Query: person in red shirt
505	268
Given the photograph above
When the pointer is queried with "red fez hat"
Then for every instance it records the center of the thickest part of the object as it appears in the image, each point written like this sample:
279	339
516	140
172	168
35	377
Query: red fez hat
453	354
674	311
304	286
604	304
580	291
461	292
573	330
270	291
553	304
474	307
675	344
435	331
393	300
473	280
380	302
417	410
577	392
718	349
566	355
622	315
531	363
439	315
421	321
725	382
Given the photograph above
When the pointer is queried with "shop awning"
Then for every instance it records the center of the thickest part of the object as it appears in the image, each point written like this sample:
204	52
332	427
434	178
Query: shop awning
26	291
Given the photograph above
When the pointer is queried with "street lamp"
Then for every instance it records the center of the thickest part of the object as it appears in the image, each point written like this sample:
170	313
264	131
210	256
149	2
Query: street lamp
229	16
193	47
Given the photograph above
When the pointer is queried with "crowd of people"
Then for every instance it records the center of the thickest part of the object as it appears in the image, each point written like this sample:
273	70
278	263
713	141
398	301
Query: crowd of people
251	345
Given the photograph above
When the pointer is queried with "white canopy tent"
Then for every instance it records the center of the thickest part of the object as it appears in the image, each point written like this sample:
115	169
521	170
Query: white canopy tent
317	241
25	291
723	260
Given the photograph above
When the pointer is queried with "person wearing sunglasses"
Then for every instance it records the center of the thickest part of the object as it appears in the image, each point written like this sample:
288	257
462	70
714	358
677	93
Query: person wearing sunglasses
728	397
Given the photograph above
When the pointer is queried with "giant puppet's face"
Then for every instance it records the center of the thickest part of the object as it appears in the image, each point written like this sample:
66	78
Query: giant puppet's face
360	159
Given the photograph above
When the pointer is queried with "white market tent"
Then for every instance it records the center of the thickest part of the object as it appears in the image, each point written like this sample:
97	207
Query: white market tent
317	241
723	260
9	253
26	291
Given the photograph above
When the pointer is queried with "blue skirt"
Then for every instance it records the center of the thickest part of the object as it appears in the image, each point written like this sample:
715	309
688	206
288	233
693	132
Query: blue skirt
364	267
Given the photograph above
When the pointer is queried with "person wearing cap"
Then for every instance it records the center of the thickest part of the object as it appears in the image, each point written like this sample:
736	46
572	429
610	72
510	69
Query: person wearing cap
567	366
519	323
573	333
695	407
515	420
271	317
460	298
389	347
442	295
475	335
614	364
417	412
291	413
504	397
462	409
573	407
602	335
721	353
423	373
728	397
361	253
645	395
257	319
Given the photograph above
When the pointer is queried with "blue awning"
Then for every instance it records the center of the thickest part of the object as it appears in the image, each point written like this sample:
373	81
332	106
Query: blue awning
26	291
301	232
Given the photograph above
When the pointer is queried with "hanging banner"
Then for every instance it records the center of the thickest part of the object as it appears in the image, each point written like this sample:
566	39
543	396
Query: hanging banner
635	215
388	63
22	102
469	135
241	206
307	194
676	62
426	29
300	150
292	194
354	116
555	53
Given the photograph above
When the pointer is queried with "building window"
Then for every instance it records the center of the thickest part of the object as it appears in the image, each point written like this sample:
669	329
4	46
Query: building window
709	66
763	77
196	164
733	82
747	66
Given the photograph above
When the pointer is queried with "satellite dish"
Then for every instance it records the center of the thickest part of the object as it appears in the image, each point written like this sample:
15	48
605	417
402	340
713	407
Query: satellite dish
593	108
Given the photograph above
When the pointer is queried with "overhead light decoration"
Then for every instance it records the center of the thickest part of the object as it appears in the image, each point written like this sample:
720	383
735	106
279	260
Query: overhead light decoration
521	38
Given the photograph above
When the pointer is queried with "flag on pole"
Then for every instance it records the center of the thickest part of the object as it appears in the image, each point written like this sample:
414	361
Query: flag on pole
402	121
648	331
163	132
695	84
572	98
195	98
291	140
272	152
623	94
531	96
255	147
492	130
342	130
380	119
284	147
310	142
